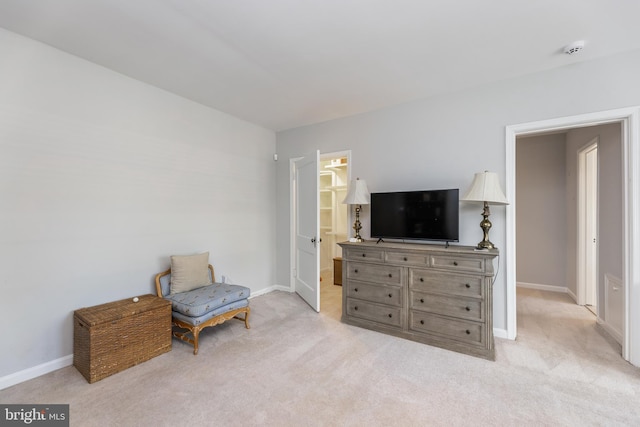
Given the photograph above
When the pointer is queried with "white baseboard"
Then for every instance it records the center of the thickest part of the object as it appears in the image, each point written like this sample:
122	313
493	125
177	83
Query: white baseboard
500	333
270	289
550	288
540	287
611	331
36	371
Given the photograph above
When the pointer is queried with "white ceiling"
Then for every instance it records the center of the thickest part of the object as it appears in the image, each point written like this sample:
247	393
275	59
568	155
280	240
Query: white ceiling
288	63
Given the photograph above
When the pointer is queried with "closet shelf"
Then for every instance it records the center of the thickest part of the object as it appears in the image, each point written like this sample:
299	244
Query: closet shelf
336	167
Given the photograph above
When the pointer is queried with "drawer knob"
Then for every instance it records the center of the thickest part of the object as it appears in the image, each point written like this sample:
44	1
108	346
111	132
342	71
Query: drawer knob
468	332
405	258
422	279
390	315
390	295
355	289
364	255
390	275
467	308
455	262
466	285
355	271
422	300
422	322
355	308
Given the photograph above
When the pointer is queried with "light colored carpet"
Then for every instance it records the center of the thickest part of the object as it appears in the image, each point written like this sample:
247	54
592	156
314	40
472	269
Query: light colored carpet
295	367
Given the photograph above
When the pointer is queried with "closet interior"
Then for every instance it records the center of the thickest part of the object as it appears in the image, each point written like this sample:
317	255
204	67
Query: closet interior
333	215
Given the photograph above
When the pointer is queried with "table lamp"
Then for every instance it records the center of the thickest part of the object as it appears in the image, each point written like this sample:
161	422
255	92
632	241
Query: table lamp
485	188
358	195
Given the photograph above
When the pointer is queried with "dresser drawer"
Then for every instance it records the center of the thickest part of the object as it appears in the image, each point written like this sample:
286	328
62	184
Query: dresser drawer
383	294
380	313
445	283
364	254
458	263
459	330
418	260
464	308
378	273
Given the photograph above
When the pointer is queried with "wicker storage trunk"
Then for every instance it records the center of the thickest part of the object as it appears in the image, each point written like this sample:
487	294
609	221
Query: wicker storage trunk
109	338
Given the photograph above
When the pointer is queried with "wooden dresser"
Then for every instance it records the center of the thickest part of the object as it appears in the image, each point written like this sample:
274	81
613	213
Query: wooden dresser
427	293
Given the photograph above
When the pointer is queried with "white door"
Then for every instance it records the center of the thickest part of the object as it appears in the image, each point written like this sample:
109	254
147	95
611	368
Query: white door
587	289
591	217
307	229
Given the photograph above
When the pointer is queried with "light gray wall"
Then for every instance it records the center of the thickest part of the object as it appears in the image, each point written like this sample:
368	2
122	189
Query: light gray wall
442	141
610	202
541	212
101	179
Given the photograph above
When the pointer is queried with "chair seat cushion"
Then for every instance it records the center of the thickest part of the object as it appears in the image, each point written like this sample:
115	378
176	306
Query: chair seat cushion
200	301
195	321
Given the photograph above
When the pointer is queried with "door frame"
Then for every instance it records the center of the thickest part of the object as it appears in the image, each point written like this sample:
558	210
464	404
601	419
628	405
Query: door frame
583	213
630	120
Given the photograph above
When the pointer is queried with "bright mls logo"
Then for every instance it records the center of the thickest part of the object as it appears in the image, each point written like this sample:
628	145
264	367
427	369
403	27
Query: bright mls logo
34	415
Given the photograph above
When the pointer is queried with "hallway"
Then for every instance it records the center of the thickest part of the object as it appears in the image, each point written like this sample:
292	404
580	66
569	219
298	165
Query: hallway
560	338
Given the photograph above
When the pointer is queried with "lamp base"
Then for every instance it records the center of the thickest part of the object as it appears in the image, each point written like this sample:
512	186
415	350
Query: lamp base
485	224
485	245
357	227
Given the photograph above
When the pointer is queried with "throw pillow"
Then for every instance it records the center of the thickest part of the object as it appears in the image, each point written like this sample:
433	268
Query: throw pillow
189	272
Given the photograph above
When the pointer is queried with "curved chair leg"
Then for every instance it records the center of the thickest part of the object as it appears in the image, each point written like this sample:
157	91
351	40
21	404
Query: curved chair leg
196	332
246	318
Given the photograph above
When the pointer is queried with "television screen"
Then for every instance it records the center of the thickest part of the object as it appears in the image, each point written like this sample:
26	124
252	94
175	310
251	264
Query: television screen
422	215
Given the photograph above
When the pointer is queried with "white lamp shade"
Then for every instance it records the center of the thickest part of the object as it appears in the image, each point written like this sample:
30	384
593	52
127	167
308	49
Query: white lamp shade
486	188
358	193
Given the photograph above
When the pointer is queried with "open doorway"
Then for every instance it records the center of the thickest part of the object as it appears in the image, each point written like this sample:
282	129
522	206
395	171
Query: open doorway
318	184
558	221
333	180
629	121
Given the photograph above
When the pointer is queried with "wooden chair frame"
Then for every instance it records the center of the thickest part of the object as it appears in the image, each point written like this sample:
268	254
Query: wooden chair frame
194	330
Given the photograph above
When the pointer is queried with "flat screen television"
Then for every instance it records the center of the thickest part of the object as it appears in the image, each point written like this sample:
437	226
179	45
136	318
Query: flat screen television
419	215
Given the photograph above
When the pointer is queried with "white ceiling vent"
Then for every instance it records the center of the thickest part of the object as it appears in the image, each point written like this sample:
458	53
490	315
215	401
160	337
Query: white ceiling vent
574	47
